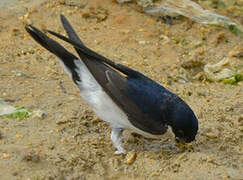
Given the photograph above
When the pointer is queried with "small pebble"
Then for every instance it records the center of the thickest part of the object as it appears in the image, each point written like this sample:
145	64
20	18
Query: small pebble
38	114
30	156
63	120
130	158
5	156
15	173
240	120
211	135
142	42
237	52
241	128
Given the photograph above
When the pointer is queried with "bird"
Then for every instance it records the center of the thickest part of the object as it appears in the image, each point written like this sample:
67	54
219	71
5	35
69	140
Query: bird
118	94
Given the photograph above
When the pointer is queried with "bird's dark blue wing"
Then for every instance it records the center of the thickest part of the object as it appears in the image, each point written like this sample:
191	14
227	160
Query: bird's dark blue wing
131	93
136	102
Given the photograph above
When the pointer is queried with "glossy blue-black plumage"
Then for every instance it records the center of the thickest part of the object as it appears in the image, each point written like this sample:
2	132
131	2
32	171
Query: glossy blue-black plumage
151	97
184	122
163	106
149	106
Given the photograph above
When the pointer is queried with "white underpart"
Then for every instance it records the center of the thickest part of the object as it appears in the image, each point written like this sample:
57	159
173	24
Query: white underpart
103	105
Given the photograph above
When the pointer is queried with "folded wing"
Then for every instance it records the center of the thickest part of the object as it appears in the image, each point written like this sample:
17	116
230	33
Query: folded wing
115	79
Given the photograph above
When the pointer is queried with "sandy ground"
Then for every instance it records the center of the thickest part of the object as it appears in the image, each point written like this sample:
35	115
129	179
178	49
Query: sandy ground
69	141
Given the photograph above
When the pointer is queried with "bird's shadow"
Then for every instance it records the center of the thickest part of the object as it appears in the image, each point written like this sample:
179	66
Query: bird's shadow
165	145
143	144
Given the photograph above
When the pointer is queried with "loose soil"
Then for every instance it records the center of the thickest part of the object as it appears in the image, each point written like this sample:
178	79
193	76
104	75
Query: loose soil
68	141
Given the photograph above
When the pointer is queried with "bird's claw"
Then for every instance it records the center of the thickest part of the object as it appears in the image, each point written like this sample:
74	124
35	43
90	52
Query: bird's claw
118	152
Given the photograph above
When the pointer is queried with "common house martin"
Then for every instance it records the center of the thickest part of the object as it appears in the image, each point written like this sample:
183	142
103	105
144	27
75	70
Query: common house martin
119	95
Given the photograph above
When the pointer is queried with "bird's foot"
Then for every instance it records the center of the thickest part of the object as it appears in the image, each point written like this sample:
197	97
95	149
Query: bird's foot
116	138
118	152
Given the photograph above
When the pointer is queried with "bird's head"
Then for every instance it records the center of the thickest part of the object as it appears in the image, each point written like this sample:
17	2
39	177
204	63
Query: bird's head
184	123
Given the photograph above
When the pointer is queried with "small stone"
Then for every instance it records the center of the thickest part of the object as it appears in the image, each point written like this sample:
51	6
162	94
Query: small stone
85	15
122	1
218	71
211	135
131	140
69	11
18	136
198	44
240	120
18	74
32	9
100	14
30	156
38	114
237	51
125	31
15	173
225	176
96	120
62	120
15	31
199	76
145	3
5	155
165	39
51	147
220	37
191	63
101	138
142	42
130	158
77	3
21	19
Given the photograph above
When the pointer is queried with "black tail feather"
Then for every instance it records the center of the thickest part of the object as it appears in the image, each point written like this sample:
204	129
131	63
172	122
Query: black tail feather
85	52
69	30
54	47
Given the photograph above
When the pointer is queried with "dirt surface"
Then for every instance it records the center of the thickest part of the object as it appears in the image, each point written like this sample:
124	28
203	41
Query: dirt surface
68	141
